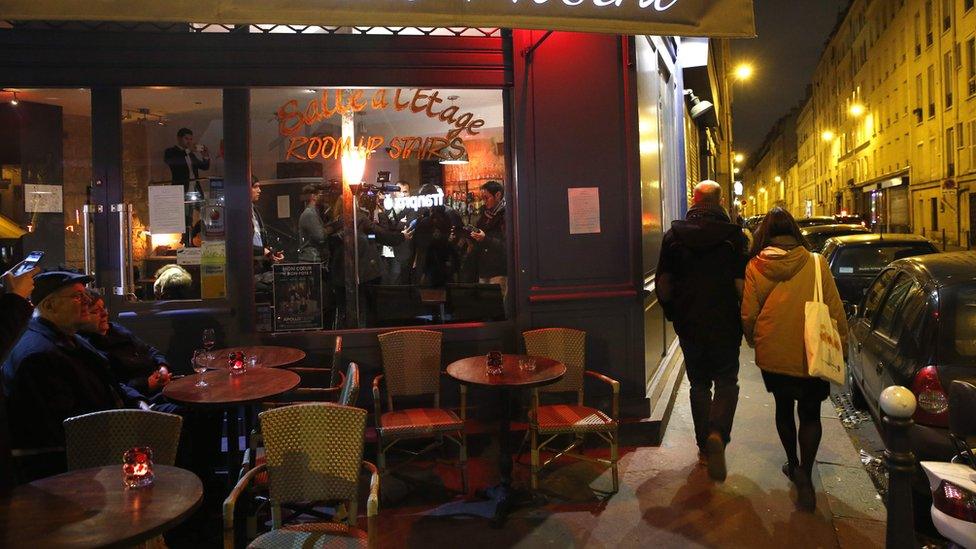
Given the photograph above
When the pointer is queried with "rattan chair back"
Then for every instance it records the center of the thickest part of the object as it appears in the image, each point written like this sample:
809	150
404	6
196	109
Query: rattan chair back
100	438
313	452
350	388
411	362
565	345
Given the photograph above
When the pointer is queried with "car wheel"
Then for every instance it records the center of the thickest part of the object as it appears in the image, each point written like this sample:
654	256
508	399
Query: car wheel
857	397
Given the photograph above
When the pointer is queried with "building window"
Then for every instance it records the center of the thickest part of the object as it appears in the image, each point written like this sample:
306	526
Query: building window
928	22
972	145
971	66
918	99
918	33
948	82
967	5
934	213
946	14
950	151
931	90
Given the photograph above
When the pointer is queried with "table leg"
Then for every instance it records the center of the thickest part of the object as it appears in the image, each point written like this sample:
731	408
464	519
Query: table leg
233	445
502	493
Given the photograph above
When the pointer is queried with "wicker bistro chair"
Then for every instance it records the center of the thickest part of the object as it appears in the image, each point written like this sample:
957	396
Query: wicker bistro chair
100	438
549	421
411	368
314	454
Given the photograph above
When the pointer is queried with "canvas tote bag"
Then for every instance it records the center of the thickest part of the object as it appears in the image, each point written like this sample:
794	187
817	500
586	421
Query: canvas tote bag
825	358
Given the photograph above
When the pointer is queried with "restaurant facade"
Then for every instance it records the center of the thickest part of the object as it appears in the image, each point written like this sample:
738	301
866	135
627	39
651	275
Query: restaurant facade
585	133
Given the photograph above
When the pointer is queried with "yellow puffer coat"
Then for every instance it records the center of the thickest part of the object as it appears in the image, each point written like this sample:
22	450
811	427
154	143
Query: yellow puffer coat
779	282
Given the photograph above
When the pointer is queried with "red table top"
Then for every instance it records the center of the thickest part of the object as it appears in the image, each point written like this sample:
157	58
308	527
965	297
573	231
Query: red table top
91	508
269	356
225	389
473	370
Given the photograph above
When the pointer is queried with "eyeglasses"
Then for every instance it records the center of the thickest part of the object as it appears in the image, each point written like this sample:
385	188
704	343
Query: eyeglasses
78	297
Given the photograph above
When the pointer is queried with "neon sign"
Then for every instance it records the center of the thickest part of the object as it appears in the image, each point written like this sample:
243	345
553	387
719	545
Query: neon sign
400	203
292	119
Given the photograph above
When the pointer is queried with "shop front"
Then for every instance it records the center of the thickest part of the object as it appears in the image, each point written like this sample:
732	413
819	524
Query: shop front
286	184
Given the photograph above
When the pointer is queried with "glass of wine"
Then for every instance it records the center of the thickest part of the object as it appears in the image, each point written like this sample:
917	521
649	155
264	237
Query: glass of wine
208	339
200	360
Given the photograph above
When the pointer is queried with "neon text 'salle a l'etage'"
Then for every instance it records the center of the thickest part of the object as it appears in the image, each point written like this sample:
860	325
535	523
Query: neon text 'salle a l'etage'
292	119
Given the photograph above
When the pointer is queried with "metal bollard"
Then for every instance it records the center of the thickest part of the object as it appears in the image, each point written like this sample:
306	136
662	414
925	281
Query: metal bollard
943	239
898	405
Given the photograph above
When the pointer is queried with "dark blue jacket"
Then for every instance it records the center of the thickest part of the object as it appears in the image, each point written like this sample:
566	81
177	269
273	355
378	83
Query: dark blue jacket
131	359
49	377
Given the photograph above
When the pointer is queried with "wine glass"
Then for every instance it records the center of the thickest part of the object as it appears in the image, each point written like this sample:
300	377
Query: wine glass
200	360
208	339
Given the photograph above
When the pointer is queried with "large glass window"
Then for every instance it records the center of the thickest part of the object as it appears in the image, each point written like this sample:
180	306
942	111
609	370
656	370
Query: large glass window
172	177
45	174
425	172
862	260
962	330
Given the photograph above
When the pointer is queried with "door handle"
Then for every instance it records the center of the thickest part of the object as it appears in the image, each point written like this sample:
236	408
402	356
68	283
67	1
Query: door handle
879	367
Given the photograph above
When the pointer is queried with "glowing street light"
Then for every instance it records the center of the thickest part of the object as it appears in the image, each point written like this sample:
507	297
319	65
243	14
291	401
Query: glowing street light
778	179
857	110
743	71
827	135
739	157
736	171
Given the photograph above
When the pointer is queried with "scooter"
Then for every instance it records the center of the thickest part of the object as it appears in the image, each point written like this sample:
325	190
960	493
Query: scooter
954	484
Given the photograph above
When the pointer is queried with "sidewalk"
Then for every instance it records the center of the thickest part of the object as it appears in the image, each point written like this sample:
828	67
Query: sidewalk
667	500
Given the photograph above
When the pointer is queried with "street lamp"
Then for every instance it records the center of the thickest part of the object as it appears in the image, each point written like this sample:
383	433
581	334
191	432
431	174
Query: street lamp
857	110
736	171
827	135
739	157
743	71
778	179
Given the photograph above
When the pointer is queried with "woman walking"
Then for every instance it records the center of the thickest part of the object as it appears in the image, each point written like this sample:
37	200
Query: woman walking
780	279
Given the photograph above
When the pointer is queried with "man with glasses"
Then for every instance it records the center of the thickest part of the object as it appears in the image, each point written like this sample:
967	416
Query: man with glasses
52	373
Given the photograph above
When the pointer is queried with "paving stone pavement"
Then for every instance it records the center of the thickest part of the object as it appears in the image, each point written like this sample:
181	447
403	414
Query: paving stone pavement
667	500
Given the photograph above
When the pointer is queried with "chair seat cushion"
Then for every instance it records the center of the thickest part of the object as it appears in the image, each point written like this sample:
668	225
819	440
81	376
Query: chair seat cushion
418	422
317	535
570	418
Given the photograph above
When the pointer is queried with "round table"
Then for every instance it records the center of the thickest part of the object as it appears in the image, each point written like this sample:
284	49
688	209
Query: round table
473	371
91	508
226	390
269	356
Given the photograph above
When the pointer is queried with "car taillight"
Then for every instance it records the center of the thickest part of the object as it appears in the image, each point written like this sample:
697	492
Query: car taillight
933	406
955	501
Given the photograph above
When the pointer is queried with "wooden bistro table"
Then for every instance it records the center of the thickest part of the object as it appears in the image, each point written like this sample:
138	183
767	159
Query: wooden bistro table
91	508
473	371
269	356
226	390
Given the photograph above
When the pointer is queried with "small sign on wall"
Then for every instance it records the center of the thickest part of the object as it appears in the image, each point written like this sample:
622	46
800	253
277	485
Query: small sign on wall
584	210
42	198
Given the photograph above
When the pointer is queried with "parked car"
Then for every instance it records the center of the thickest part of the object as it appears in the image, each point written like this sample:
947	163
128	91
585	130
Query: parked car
817	235
753	222
916	327
856	259
849	219
816	220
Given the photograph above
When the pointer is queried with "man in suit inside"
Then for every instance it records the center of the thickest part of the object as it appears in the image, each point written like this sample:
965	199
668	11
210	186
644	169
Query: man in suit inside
183	160
264	255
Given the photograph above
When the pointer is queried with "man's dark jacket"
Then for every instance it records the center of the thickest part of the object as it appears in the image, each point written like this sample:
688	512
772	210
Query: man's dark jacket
175	158
49	377
131	359
15	312
701	258
492	257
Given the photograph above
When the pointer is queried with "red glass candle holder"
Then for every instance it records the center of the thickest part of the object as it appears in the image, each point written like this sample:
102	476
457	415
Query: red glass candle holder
237	363
493	363
137	467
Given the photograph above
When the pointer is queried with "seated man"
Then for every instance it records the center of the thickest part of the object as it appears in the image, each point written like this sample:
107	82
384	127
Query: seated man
52	373
132	361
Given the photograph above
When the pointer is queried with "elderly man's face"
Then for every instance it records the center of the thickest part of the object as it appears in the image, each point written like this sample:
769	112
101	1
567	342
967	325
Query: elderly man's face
68	308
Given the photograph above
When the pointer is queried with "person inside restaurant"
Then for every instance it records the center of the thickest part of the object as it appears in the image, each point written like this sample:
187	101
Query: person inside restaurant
437	260
489	237
183	162
396	259
132	360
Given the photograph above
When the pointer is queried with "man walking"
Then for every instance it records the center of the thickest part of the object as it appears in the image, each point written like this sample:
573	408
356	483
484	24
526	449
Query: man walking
699	284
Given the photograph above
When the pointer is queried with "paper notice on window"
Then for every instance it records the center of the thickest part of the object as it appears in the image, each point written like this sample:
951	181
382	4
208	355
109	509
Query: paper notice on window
42	198
584	210
166	209
284	206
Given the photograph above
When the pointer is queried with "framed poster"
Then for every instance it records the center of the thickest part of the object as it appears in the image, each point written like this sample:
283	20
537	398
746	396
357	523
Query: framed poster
297	297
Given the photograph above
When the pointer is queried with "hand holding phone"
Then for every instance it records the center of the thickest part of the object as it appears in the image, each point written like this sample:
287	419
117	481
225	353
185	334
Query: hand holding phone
20	279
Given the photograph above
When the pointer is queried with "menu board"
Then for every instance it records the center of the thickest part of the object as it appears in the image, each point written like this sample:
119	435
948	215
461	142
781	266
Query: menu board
166	215
584	210
297	297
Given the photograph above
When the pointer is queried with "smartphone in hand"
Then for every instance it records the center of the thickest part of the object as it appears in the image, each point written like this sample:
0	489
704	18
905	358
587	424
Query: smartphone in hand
29	262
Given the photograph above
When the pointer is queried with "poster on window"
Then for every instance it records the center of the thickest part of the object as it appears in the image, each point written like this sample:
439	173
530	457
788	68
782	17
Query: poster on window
297	297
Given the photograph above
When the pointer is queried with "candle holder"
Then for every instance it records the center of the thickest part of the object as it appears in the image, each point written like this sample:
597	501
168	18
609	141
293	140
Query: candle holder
236	363
137	467
494	362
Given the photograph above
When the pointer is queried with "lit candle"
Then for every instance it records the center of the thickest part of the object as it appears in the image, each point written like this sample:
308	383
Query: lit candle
137	467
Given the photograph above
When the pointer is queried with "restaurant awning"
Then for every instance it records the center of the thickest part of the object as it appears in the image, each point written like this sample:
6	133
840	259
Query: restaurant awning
9	229
714	18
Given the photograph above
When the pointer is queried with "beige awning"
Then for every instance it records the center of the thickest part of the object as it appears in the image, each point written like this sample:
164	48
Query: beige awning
716	18
9	229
